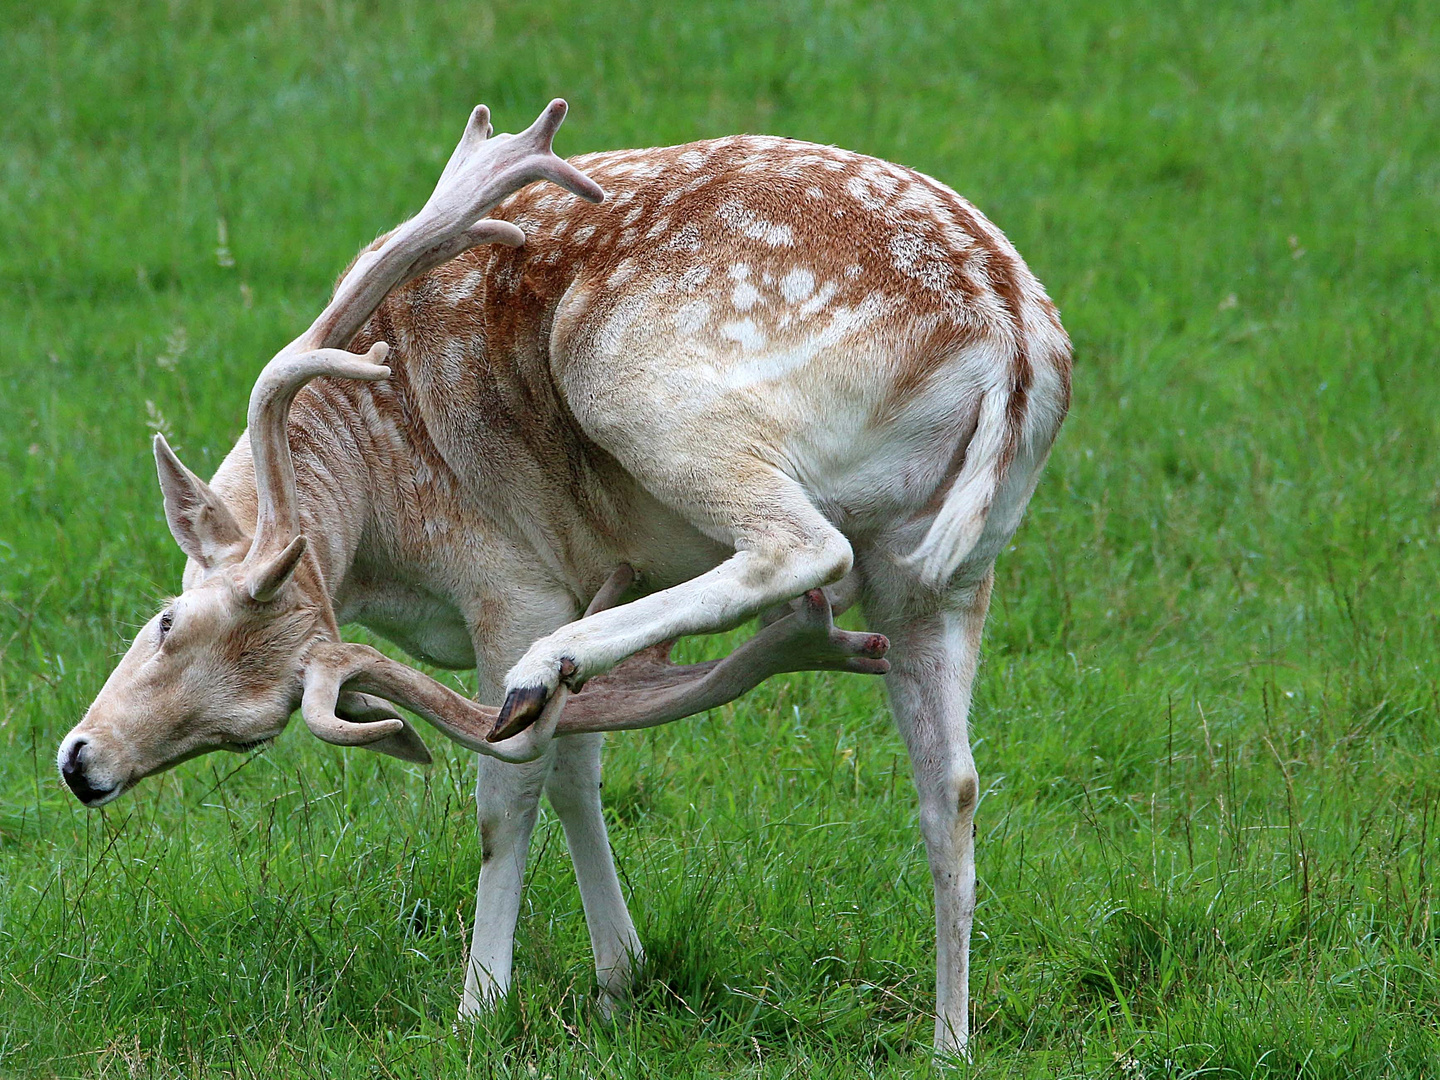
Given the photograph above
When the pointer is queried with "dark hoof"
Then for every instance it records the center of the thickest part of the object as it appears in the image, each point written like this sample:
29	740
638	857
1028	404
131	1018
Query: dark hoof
521	709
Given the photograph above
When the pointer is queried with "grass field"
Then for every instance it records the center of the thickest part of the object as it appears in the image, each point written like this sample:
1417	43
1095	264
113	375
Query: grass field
1208	716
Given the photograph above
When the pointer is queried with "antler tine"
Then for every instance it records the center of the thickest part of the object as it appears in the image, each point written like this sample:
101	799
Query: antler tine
405	744
318	706
477	130
481	171
616	586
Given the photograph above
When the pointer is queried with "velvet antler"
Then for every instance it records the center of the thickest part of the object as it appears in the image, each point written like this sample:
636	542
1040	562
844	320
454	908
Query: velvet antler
480	173
643	691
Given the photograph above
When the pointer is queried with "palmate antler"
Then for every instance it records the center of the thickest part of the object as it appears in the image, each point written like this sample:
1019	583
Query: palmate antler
481	172
644	691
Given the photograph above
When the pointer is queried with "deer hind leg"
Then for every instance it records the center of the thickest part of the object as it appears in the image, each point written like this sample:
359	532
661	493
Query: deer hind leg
573	788
933	656
783	548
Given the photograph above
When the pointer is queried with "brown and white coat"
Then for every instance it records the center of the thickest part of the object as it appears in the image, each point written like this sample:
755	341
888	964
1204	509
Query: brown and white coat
757	368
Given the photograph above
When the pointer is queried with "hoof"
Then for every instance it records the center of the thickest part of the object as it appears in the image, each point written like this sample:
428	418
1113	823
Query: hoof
521	709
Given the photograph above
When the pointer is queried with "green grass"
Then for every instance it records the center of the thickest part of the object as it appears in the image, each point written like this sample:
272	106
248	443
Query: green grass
1208	716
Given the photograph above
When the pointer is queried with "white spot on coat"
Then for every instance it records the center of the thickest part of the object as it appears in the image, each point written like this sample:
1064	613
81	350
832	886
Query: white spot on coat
819	300
921	259
797	285
744	295
685	238
744	333
623	273
843	322
465	287
694	277
692	317
859	190
736	215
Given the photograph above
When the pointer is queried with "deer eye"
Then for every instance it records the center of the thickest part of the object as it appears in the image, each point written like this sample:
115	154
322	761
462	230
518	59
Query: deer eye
167	620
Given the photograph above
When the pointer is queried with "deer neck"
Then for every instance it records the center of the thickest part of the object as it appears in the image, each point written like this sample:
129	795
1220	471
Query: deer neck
334	494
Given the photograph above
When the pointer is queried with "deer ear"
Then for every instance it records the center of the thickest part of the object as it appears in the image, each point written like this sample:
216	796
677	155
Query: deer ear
200	522
266	580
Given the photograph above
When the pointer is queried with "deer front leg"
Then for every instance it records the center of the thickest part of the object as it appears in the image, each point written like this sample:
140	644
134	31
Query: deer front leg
573	788
507	798
784	548
506	801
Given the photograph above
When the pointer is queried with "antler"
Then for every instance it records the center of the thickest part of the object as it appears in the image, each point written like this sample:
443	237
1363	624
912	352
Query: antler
480	173
648	689
644	691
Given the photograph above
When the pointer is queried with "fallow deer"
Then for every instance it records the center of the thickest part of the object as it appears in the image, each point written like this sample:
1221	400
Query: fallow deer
758	369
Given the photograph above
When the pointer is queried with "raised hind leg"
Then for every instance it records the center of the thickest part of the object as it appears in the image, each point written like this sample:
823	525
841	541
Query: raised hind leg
783	548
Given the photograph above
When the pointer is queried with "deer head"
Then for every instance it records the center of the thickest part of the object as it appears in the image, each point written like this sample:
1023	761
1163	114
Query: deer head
253	634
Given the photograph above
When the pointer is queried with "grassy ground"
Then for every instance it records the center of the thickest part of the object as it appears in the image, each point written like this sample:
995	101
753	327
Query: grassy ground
1208	717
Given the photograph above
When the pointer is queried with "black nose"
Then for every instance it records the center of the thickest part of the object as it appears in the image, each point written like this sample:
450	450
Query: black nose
72	759
74	774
